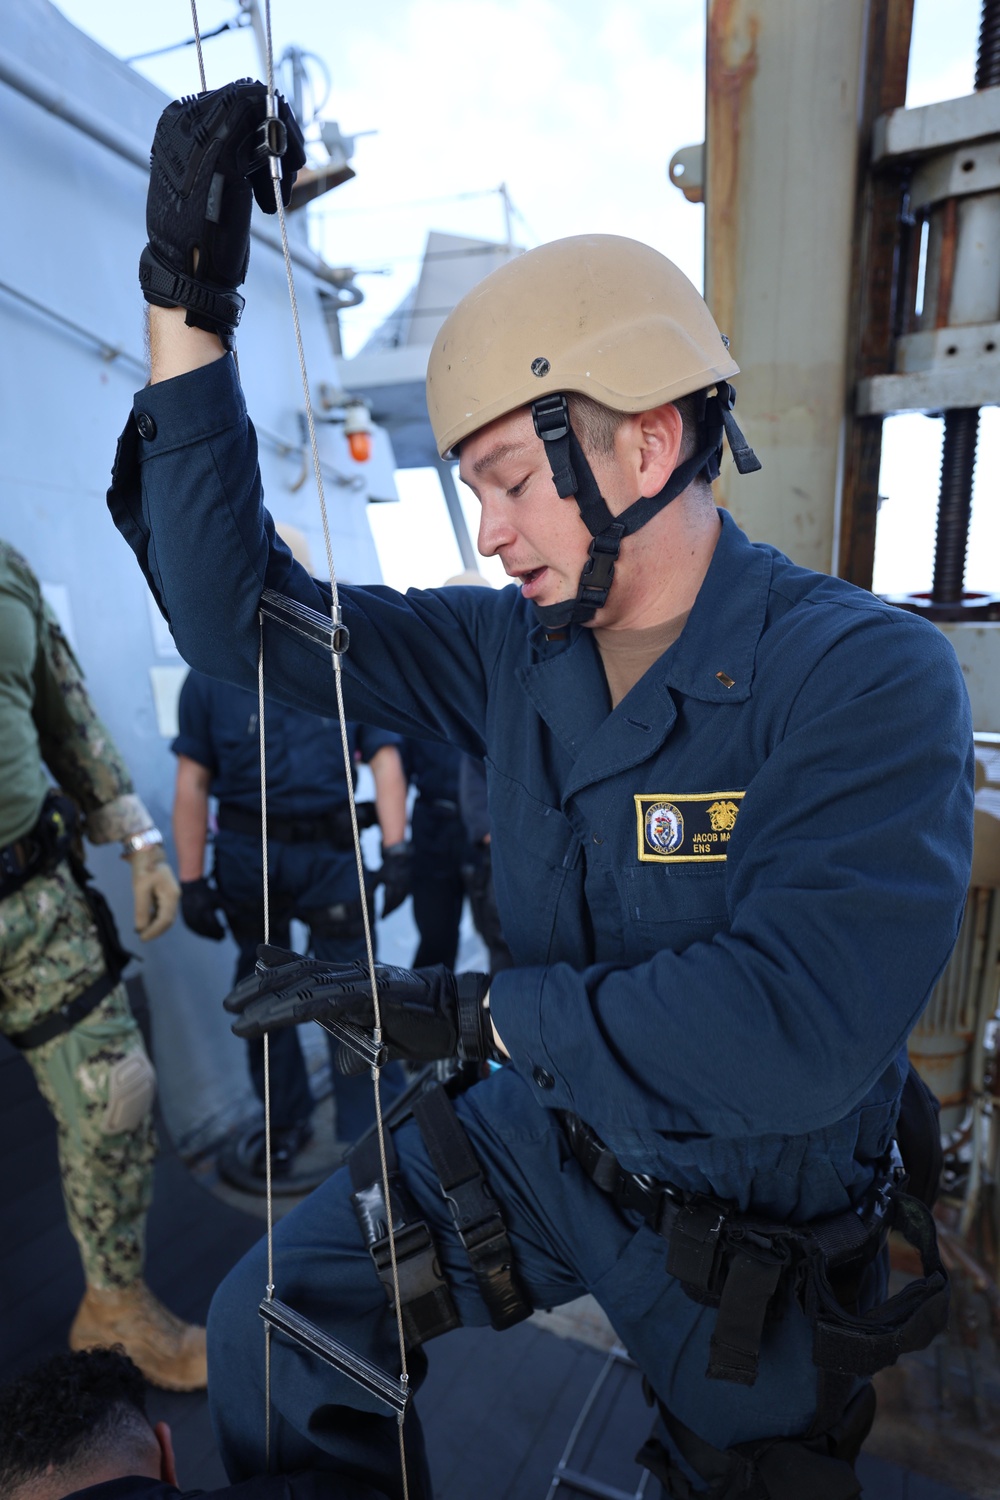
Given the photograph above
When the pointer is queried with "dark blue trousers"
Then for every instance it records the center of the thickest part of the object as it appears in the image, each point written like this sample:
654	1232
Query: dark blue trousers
568	1238
439	846
302	879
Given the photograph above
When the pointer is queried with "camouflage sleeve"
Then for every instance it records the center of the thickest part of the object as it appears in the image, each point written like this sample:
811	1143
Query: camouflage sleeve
74	742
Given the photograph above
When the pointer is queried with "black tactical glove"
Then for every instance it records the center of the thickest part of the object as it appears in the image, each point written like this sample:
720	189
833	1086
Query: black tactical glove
396	875
427	1014
199	903
209	161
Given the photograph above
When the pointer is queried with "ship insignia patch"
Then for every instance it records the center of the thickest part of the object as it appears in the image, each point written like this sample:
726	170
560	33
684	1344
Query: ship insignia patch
686	828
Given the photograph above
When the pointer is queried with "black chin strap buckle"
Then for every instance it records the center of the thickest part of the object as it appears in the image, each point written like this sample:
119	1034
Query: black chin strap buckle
595	581
550	415
599	570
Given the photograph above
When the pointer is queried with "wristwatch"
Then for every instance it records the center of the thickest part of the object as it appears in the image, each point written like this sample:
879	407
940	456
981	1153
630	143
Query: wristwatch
148	839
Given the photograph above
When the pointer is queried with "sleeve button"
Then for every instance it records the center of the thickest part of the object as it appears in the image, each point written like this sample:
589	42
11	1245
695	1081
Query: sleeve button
544	1080
146	426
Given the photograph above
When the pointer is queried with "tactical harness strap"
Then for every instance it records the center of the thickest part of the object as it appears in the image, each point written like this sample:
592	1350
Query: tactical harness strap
817	1465
476	1213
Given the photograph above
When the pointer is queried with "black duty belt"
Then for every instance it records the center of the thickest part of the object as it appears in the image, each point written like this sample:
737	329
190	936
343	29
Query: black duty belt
42	847
735	1262
313	828
66	1016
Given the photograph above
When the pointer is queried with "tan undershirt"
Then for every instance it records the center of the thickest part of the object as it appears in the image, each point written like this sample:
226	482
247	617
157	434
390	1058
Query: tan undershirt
628	654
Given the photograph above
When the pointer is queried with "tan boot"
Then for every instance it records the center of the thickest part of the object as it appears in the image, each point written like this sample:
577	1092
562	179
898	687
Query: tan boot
169	1353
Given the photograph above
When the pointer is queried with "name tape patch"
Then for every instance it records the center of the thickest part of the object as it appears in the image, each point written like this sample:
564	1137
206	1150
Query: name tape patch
685	829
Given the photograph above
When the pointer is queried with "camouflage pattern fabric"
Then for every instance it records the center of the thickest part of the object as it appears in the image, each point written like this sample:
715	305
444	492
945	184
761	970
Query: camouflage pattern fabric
96	1079
46	713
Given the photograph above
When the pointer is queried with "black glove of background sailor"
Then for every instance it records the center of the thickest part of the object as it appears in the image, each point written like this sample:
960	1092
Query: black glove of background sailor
427	1014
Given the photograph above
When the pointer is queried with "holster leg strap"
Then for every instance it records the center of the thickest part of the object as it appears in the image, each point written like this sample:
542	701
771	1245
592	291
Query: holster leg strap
809	1466
476	1213
425	1299
66	1017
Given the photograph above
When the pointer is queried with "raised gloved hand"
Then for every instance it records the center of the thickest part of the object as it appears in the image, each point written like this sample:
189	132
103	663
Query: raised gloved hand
396	875
210	159
154	890
199	903
426	1014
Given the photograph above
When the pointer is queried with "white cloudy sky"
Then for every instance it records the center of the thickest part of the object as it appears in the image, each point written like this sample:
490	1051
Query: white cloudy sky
577	105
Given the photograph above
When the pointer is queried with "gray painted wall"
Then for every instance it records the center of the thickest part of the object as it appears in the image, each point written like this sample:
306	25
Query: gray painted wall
70	236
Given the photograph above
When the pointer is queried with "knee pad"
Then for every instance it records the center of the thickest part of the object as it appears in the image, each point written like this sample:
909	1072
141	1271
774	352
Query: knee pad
131	1091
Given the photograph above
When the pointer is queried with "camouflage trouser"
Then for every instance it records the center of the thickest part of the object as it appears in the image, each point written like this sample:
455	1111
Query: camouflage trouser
96	1079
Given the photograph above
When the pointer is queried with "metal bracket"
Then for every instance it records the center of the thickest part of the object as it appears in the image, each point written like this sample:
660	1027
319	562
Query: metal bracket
391	1390
304	621
374	1053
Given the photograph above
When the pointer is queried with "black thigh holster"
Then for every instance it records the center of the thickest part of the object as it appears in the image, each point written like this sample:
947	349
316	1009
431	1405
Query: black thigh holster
342	921
426	1302
52	840
745	1267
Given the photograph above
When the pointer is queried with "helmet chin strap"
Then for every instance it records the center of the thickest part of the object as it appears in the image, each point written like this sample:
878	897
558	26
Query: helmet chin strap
573	476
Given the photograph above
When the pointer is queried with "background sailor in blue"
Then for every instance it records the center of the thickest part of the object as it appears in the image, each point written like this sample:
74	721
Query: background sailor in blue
734	1026
312	875
437	836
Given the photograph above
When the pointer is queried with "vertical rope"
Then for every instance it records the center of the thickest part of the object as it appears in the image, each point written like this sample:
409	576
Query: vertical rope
267	1046
197	43
335	615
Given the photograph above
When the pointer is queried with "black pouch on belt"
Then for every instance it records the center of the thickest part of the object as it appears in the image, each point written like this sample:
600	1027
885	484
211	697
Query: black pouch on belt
116	957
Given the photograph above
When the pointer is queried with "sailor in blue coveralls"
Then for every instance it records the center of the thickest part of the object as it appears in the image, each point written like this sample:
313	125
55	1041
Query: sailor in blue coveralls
731	803
312	873
439	849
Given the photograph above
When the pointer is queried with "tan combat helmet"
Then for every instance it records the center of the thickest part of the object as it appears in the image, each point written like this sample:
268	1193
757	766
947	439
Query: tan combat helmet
605	317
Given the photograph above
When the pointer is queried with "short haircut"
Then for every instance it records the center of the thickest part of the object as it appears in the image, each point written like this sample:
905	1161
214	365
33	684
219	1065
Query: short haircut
71	1412
596	425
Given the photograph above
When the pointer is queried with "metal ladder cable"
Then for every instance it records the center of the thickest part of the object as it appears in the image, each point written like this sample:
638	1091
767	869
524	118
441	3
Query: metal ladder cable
337	623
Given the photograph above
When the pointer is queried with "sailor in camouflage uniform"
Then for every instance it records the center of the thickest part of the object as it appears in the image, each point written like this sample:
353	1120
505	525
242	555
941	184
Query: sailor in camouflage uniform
61	1000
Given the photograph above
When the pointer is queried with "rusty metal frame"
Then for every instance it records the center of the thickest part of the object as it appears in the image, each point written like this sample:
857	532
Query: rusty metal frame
881	251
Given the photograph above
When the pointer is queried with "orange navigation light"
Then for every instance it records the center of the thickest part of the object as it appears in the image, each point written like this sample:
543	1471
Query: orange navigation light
358	430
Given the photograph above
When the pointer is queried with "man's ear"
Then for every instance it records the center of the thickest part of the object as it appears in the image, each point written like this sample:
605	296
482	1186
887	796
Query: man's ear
661	435
168	1466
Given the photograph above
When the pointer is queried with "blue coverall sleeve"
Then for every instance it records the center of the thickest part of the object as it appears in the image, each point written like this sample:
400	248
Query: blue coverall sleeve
368	741
194	724
846	877
201	442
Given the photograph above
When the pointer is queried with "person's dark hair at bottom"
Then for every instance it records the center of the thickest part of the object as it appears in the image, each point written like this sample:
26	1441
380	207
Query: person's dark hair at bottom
78	1422
74	1417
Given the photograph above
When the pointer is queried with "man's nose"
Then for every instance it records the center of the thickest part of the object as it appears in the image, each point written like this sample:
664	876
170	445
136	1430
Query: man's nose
495	529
